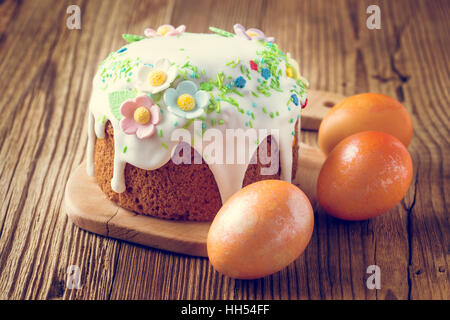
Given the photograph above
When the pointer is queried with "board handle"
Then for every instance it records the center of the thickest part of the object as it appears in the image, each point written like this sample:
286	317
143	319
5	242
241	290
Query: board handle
309	164
319	103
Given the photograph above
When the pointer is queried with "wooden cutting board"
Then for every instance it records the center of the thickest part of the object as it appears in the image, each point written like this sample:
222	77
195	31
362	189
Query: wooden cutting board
89	208
319	103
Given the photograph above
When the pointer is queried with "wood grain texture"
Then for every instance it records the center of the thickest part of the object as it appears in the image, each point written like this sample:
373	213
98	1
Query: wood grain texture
46	73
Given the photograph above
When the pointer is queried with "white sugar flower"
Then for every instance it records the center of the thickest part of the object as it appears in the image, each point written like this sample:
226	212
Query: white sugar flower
156	78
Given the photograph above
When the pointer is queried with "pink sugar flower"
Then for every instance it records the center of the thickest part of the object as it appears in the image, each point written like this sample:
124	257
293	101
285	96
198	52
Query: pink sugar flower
140	117
166	30
251	34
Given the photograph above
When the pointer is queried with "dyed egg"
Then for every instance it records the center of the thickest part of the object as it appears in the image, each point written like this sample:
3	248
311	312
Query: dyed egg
364	176
365	112
260	230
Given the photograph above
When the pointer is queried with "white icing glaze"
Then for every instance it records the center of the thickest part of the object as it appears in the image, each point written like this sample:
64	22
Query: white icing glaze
207	52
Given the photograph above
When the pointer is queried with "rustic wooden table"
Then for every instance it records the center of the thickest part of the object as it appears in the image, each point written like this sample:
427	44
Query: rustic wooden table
46	72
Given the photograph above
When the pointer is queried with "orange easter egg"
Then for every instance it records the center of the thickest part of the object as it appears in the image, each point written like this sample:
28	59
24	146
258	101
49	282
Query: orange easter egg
365	112
260	230
364	176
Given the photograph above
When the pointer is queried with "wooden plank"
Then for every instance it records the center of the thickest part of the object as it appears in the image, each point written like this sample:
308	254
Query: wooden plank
46	82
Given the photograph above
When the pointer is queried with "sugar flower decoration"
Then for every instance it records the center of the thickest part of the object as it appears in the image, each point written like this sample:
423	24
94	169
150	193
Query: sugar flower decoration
251	34
292	68
140	117
186	100
154	79
240	82
265	73
166	30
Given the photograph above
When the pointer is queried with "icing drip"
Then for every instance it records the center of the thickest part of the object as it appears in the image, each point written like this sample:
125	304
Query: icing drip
254	101
229	177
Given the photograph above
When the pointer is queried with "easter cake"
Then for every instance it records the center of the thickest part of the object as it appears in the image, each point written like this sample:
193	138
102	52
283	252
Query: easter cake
156	102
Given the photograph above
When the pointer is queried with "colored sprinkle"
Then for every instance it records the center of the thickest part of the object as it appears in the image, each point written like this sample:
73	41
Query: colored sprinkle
294	98
181	49
264	109
221	32
304	105
233	63
175	124
122	50
254	104
271	115
164	145
187	124
160	133
206	86
104	120
125	149
213	122
221	121
237	92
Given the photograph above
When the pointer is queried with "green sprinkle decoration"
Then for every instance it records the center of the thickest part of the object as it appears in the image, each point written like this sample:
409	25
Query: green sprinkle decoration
132	37
206	86
160	133
104	120
221	32
188	123
221	121
233	63
125	149
164	145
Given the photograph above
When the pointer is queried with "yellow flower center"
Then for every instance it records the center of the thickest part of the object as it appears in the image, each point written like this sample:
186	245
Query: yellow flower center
252	34
142	115
157	78
163	30
186	102
290	72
